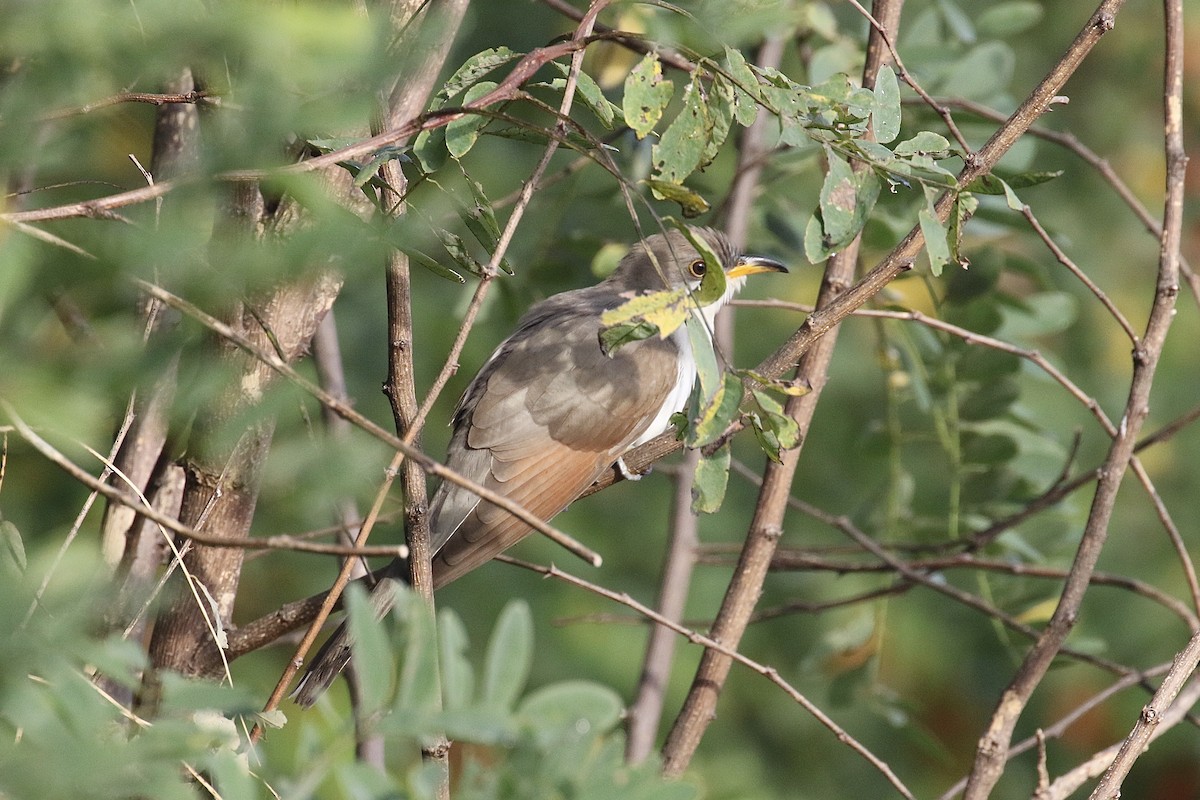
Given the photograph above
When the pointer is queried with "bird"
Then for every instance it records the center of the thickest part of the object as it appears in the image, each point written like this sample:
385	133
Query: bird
552	410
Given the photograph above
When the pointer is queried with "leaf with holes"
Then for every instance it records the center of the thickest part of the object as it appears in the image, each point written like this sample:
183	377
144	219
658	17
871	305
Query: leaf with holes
472	70
746	92
647	93
681	149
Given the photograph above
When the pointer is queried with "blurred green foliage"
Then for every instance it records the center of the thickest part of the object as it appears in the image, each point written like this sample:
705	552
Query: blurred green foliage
921	437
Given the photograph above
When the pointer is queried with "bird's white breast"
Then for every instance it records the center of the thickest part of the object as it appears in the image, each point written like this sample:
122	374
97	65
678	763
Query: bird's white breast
685	377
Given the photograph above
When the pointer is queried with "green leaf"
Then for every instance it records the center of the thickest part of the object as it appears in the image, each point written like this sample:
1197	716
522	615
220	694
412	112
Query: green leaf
690	203
646	95
419	690
617	336
592	95
509	656
432	264
458	679
472	70
958	21
462	133
366	173
746	92
984	72
370	647
963	209
713	284
665	311
995	183
933	229
924	143
480	220
1042	314
784	428
714	416
430	149
708	372
1006	19
12	546
681	148
457	249
1011	198
838	200
720	112
885	116
710	480
989	401
991	449
835	224
581	708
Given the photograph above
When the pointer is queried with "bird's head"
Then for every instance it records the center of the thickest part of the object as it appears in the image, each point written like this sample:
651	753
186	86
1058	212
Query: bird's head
669	260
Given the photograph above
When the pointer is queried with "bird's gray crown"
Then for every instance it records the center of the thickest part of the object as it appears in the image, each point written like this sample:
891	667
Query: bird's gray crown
662	261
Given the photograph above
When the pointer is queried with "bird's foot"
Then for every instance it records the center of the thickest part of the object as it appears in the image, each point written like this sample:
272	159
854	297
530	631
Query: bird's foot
627	473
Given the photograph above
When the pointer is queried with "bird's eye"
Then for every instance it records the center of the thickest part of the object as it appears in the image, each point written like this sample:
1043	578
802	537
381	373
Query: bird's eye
697	268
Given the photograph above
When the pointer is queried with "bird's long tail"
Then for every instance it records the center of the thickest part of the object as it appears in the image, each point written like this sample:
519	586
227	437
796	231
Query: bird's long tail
335	654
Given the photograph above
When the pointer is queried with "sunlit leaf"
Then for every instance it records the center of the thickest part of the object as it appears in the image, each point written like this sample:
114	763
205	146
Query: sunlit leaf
716	414
691	204
646	95
712	285
885	116
664	310
681	148
746	92
838	198
924	143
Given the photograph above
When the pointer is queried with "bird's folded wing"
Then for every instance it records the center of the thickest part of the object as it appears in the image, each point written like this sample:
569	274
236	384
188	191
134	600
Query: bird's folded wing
548	417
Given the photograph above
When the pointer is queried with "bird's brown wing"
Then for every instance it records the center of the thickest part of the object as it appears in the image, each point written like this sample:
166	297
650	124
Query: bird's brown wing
542	422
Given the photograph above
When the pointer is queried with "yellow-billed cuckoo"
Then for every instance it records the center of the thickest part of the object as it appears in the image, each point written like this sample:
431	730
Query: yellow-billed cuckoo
550	412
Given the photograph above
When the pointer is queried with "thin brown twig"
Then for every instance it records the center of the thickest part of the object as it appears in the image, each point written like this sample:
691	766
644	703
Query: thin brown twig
278	542
1071	142
152	98
355	418
766	526
792	560
886	36
869	545
715	645
1059	728
1079	274
989	757
1090	403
